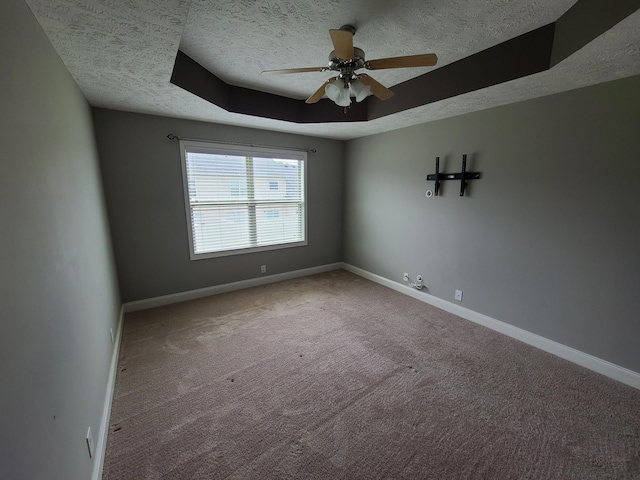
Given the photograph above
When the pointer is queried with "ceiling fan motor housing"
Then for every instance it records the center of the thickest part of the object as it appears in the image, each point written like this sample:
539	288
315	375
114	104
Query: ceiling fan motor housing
352	64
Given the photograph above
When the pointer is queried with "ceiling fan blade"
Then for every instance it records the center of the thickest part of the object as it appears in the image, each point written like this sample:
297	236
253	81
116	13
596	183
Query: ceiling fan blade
294	70
342	43
320	92
426	60
379	90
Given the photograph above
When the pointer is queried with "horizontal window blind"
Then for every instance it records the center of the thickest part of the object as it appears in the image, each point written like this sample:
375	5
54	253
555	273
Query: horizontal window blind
242	201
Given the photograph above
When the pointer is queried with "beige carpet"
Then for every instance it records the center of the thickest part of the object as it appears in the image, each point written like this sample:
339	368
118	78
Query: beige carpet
335	377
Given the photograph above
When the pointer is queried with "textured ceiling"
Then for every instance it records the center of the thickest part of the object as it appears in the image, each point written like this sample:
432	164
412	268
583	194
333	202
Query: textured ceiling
121	52
248	37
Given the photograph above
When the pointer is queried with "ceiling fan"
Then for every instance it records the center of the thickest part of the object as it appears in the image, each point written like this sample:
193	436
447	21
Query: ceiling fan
346	59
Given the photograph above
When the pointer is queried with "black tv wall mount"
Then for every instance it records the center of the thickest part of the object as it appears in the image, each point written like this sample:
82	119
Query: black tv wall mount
463	176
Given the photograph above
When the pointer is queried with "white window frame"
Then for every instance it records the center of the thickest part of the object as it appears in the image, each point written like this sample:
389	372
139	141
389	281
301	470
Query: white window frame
247	151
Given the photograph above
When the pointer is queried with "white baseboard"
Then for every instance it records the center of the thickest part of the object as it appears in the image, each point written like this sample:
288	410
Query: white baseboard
611	370
101	445
227	287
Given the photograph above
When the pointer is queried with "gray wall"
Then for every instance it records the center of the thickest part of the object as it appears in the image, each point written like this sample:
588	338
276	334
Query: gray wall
58	290
547	240
143	185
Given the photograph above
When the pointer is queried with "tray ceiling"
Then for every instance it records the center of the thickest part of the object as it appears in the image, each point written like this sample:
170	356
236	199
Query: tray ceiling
122	53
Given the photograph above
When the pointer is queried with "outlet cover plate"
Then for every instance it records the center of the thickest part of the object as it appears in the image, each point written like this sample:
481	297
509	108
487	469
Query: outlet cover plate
263	269
459	295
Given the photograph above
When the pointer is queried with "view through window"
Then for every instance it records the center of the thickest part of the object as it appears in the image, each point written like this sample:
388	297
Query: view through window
243	199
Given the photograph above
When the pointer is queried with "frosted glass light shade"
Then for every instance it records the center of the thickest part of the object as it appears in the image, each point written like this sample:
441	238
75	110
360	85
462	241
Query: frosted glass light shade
332	91
338	94
360	90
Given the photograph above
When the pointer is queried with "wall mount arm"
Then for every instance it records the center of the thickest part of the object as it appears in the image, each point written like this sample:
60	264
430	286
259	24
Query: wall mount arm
463	176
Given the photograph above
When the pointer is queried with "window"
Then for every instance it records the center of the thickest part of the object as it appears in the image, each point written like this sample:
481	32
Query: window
243	199
238	188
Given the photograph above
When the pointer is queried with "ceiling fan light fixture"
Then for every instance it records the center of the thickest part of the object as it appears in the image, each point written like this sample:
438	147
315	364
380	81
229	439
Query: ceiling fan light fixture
359	90
346	60
339	94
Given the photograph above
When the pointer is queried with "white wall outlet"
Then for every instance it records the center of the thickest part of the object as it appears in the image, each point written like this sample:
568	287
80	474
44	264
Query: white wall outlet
90	443
419	282
405	277
263	269
459	295
113	339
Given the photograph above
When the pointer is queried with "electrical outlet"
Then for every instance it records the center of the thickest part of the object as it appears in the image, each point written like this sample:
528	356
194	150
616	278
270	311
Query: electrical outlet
263	269
113	340
459	295
405	277
419	282
90	443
